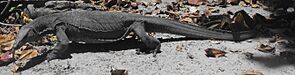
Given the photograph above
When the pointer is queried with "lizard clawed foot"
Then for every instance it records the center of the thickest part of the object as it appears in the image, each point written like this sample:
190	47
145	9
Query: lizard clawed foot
157	50
54	54
51	56
148	51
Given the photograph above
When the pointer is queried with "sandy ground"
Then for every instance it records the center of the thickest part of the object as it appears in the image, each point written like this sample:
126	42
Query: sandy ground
189	60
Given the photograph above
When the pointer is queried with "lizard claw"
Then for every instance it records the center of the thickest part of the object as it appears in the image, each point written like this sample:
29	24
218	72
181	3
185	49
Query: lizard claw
51	56
157	50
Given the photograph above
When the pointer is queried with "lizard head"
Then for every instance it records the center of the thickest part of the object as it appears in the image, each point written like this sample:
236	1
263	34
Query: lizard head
26	34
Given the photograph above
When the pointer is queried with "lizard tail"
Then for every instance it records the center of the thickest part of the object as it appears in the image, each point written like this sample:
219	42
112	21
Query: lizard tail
169	26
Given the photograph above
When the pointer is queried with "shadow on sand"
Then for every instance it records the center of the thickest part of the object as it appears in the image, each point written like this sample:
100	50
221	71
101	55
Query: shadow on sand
82	48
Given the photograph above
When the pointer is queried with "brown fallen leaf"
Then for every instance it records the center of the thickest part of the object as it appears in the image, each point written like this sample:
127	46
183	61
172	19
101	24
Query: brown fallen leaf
242	4
156	12
6	57
248	1
115	8
7	45
233	2
196	2
16	67
6	37
186	20
265	48
213	52
52	37
6	41
25	18
254	5
251	72
156	1
119	72
16	29
28	54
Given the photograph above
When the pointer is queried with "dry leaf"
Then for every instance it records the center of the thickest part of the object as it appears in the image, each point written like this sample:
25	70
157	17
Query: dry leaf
156	1
6	37
7	45
233	2
187	20
156	12
16	67
6	41
196	2
52	37
115	8
213	52
16	29
265	48
248	1
242	4
26	18
28	54
119	72
254	6
6	57
175	13
251	72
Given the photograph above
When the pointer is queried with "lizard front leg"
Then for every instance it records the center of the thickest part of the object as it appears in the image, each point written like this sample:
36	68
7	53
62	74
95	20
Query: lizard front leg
62	45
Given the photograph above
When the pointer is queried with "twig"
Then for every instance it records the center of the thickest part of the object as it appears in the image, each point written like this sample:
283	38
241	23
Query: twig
5	7
6	24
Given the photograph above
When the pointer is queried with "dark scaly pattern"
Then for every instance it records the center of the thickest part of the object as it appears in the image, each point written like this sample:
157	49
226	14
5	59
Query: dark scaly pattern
113	26
94	21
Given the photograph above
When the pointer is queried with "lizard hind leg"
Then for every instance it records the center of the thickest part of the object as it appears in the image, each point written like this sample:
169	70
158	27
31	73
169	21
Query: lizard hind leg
151	44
